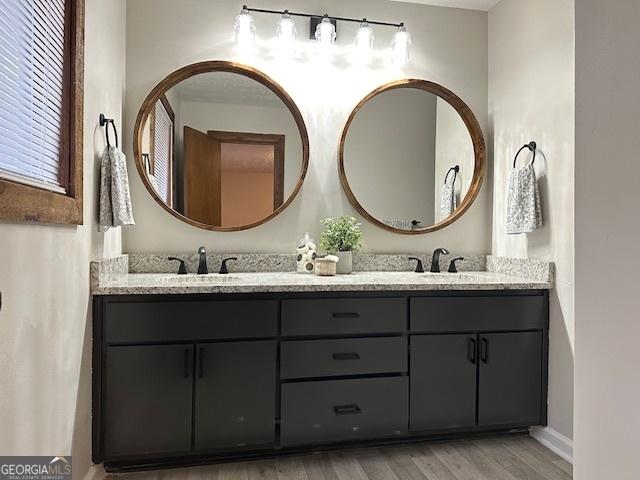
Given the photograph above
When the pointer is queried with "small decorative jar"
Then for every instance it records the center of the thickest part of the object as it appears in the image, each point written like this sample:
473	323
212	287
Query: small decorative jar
307	253
326	266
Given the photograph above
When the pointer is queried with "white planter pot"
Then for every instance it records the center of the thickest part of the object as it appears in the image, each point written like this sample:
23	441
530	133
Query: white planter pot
345	264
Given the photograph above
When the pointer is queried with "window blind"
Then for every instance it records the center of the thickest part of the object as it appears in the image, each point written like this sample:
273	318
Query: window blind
32	76
163	152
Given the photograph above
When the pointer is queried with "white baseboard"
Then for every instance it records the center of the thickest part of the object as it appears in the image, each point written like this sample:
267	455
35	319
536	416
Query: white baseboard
96	472
554	441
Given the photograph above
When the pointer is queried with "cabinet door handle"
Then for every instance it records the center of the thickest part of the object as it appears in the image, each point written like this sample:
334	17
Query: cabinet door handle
484	350
346	315
187	351
346	356
201	364
472	350
347	410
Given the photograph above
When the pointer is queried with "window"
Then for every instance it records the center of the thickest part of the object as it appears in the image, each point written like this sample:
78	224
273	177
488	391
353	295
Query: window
162	128
41	75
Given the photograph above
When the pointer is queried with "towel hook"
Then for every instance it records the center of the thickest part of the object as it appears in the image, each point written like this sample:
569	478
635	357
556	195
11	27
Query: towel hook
455	170
104	121
532	146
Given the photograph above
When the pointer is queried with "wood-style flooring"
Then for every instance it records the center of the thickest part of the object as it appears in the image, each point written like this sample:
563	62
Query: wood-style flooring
497	458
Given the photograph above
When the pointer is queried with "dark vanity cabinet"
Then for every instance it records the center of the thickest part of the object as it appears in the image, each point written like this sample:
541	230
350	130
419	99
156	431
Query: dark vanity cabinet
197	378
235	394
148	405
478	361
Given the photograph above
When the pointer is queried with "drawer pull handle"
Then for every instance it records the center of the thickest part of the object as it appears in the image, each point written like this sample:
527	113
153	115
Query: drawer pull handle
201	366
347	410
346	315
346	356
484	350
186	362
473	353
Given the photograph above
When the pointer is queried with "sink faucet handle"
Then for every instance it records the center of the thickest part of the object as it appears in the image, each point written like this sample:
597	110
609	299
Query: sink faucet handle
452	265
419	267
223	267
202	251
183	268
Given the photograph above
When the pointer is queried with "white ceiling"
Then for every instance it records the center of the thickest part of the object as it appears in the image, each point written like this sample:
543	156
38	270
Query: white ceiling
470	4
226	88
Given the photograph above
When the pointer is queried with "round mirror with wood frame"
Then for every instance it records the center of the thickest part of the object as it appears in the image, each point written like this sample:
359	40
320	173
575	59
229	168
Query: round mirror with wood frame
221	146
412	157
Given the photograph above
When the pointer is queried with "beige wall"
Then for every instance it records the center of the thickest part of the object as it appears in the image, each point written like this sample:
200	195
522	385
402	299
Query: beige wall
392	173
449	47
453	147
531	97
607	381
44	279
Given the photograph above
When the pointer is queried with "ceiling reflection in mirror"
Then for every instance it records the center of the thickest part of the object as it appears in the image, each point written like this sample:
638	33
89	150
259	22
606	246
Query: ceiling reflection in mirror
408	159
223	150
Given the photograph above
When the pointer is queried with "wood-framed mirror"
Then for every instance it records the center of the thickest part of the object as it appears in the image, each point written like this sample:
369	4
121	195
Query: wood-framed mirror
221	146
412	157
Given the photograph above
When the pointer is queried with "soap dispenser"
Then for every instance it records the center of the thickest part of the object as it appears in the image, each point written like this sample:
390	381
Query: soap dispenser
307	252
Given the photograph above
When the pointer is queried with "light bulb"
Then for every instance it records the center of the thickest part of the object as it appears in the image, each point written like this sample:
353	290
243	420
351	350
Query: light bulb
325	35
286	34
364	42
245	31
401	46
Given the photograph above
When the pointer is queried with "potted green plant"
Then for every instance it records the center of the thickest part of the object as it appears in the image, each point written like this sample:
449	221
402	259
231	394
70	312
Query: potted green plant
342	237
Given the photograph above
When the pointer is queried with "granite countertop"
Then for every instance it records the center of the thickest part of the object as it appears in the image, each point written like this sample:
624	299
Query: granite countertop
290	282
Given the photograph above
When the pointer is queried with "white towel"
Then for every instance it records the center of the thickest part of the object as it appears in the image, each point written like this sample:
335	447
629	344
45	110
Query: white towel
115	202
448	201
524	214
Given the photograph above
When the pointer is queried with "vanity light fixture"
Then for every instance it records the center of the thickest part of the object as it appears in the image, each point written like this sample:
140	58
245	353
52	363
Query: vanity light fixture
286	34
326	36
324	33
364	41
245	31
401	46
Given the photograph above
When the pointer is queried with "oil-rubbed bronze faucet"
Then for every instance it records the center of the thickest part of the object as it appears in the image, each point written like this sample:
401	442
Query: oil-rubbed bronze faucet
435	259
202	264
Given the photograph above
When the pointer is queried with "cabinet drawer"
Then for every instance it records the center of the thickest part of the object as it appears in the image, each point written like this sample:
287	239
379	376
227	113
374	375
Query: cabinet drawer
343	316
464	314
179	321
343	410
357	356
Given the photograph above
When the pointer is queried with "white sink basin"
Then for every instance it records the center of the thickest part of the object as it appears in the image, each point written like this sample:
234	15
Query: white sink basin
193	279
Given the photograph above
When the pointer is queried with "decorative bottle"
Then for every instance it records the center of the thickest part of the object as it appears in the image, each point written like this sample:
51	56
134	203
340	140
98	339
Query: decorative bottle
307	253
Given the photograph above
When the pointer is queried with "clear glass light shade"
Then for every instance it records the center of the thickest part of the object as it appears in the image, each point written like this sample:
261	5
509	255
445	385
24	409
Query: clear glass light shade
245	31
401	47
326	33
286	34
364	39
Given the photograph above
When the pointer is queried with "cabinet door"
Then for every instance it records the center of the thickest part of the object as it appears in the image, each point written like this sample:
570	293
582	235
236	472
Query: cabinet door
443	381
235	394
510	379
148	399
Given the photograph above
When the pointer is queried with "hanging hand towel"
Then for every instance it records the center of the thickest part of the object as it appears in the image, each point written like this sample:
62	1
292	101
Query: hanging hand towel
448	201
524	214
115	202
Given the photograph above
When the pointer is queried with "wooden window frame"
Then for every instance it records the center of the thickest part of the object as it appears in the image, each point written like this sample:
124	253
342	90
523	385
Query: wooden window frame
278	143
24	203
152	145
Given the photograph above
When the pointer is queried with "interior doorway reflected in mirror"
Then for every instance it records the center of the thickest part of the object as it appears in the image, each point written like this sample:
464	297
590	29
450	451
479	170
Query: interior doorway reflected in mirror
221	147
